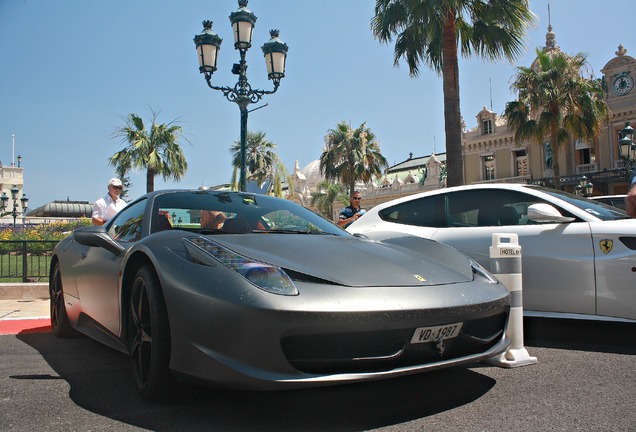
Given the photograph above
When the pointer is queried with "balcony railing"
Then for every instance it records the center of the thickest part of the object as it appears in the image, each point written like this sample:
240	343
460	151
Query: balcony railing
586	168
519	179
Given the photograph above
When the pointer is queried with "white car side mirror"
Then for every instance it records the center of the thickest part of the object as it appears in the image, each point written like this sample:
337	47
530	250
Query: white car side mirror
546	213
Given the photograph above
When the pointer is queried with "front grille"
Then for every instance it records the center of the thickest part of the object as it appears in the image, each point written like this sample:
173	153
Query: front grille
359	352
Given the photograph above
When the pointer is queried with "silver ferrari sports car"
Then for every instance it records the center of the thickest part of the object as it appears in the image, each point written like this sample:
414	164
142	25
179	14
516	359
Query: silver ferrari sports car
247	291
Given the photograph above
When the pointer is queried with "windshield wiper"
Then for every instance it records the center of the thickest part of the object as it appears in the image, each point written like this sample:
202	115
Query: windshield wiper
290	231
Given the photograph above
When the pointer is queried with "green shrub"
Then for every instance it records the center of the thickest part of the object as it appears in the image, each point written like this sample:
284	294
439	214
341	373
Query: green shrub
53	231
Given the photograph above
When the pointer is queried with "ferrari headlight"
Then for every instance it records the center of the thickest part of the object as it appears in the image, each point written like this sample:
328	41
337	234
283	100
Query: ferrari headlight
265	276
478	269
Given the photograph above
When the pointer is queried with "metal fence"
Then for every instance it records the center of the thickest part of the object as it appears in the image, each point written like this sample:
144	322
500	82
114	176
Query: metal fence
25	260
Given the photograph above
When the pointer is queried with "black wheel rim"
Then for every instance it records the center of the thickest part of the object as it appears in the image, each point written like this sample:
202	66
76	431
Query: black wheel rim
57	298
141	330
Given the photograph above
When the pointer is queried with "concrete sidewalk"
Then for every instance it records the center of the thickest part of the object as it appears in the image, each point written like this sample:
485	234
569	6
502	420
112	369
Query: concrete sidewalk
24	300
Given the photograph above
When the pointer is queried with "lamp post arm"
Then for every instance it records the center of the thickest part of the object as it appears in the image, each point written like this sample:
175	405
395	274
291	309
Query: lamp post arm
14	212
242	93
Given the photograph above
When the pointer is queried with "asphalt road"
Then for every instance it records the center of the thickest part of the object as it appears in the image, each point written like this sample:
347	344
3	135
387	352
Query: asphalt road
584	381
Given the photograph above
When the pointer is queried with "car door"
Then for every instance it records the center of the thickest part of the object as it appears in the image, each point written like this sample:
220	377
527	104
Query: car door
98	270
615	243
557	259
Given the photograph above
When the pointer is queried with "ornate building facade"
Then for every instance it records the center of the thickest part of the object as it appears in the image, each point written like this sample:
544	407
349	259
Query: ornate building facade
491	154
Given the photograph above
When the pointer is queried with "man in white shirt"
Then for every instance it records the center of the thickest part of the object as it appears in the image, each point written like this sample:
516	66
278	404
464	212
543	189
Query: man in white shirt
107	207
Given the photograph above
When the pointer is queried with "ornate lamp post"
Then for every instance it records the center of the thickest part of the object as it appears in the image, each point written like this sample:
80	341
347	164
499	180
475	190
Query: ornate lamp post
627	149
4	200
584	188
208	44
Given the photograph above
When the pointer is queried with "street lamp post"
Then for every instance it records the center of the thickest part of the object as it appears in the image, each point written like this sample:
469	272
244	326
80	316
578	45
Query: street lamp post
4	200
627	149
584	188
208	44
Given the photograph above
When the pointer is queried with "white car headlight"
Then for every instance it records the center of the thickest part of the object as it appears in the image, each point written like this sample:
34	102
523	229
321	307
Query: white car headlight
265	276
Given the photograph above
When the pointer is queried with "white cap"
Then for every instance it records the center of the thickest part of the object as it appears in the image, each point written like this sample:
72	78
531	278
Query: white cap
114	182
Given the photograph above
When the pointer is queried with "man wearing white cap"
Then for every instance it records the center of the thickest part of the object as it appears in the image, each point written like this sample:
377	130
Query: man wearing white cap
107	207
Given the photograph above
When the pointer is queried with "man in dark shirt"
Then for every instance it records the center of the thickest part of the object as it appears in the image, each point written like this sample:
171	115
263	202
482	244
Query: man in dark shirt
352	212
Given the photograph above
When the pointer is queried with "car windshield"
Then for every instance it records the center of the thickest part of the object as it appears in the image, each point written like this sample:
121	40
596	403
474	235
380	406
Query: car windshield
595	208
214	212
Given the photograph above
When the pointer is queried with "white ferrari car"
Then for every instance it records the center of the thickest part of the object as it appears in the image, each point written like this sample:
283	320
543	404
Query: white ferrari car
578	255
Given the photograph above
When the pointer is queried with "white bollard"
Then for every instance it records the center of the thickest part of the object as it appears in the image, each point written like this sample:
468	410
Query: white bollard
505	261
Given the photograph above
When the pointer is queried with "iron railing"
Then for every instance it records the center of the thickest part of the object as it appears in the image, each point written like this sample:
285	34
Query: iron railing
25	260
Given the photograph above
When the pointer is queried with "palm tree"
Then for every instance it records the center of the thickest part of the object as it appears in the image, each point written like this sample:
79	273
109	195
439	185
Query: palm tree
430	32
557	102
261	157
325	195
351	155
280	175
156	150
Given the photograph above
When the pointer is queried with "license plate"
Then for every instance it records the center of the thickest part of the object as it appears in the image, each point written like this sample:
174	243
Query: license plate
436	333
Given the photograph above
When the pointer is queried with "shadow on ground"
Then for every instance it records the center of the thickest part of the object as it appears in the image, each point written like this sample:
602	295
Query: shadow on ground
101	381
596	336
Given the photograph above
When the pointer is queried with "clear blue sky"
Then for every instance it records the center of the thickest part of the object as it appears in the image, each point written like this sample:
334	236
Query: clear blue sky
70	68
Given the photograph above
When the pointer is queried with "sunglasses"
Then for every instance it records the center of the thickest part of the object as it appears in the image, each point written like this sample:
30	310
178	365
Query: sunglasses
118	187
357	198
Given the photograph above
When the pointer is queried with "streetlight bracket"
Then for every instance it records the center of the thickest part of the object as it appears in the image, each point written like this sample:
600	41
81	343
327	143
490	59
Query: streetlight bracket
257	108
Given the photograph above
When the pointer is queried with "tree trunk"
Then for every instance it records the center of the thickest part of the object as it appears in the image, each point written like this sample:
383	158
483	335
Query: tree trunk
150	181
452	115
554	145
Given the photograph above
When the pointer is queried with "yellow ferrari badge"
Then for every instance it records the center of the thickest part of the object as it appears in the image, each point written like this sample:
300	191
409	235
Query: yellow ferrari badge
420	278
606	245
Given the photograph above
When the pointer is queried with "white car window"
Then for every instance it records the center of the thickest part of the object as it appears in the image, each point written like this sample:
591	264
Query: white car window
487	208
427	211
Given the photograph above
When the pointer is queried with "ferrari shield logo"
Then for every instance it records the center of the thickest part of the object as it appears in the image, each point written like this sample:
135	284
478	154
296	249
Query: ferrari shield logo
606	245
441	347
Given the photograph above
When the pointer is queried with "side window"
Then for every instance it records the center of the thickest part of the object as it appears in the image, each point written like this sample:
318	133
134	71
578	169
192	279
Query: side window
486	208
428	212
465	208
520	203
126	226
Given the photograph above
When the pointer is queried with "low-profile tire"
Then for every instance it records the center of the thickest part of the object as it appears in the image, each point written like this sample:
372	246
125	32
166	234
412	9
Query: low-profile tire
149	337
60	325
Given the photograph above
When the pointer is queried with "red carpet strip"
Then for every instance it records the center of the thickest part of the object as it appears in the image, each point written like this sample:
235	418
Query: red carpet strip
24	326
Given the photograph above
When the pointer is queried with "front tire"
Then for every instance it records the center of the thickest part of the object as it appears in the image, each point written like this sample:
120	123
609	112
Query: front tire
60	325
149	336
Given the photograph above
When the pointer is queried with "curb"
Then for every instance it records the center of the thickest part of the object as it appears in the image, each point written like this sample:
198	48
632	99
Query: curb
24	291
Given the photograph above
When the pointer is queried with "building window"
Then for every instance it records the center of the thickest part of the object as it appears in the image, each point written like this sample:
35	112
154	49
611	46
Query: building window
584	153
486	127
489	167
585	157
521	163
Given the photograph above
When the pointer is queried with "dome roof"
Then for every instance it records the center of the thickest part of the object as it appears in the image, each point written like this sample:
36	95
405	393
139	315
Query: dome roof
312	173
550	47
63	209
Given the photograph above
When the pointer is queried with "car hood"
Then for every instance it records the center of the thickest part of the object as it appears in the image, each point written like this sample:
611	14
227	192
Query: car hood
352	261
